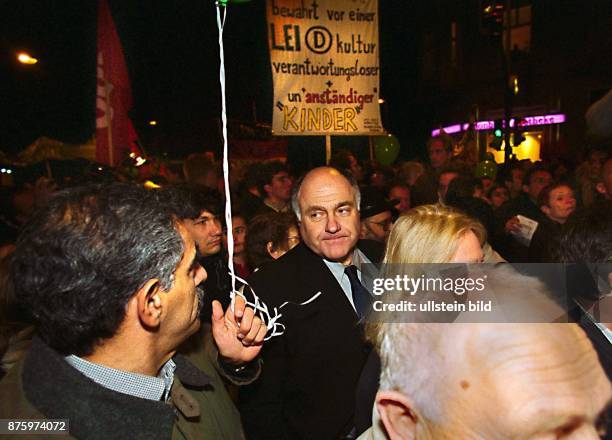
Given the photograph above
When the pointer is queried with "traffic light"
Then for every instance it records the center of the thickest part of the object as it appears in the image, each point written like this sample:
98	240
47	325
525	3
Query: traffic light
498	135
517	134
492	17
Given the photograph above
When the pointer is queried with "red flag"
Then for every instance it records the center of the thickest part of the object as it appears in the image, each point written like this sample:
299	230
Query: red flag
115	135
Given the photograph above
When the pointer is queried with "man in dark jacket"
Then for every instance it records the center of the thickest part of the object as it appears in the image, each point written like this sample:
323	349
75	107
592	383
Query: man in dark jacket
307	386
111	279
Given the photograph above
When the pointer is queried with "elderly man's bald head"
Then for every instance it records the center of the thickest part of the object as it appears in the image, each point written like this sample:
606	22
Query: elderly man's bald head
482	380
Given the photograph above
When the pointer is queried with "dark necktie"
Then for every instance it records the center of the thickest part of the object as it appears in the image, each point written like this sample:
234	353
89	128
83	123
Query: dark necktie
361	296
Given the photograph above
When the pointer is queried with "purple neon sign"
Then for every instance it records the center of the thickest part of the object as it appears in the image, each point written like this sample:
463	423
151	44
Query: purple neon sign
527	121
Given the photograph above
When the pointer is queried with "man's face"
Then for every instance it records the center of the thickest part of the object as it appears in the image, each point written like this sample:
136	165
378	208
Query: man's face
402	195
330	219
206	231
517	180
561	203
239	231
438	155
539	180
280	187
499	196
377	227
596	160
533	381
184	299
443	182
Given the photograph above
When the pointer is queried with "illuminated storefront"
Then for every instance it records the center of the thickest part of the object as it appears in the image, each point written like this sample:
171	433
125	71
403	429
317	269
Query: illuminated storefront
531	127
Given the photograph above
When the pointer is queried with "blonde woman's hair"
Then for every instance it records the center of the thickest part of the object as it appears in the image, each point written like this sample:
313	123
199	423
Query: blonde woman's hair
425	234
429	234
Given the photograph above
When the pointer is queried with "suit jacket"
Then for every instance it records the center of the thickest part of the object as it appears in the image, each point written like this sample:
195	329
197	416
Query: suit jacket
307	386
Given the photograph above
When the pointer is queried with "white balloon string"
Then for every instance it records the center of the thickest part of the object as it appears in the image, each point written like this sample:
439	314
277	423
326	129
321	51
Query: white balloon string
274	327
228	200
261	309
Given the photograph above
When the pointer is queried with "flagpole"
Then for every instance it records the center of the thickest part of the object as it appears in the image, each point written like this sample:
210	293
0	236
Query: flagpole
109	120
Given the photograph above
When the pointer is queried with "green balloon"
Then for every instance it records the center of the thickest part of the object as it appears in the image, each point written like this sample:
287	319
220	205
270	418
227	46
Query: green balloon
486	168
386	149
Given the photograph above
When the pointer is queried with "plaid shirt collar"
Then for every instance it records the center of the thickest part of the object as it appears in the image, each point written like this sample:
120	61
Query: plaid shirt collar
133	384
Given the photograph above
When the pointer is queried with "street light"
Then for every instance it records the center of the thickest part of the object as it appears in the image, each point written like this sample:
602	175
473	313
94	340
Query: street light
25	58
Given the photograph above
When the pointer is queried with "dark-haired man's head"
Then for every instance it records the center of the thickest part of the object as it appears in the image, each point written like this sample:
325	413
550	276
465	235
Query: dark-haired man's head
587	235
587	240
463	187
276	185
439	150
536	179
444	179
107	264
498	194
512	176
200	208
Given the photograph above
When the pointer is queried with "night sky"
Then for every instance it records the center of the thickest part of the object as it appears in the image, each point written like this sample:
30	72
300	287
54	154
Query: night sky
172	56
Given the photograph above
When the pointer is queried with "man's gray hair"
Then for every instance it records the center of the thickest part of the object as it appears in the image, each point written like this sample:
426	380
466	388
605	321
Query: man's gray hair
400	345
295	196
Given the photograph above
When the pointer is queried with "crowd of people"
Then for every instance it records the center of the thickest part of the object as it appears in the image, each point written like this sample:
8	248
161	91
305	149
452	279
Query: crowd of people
117	315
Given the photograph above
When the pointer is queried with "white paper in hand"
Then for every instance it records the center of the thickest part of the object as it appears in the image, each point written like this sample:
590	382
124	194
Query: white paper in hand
526	229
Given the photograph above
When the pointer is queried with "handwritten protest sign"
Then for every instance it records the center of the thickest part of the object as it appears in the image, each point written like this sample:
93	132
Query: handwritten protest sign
324	56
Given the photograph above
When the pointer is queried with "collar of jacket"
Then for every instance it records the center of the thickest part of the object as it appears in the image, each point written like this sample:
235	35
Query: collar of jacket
60	392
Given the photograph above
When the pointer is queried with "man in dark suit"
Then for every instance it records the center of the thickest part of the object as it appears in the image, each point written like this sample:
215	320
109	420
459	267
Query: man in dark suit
307	386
